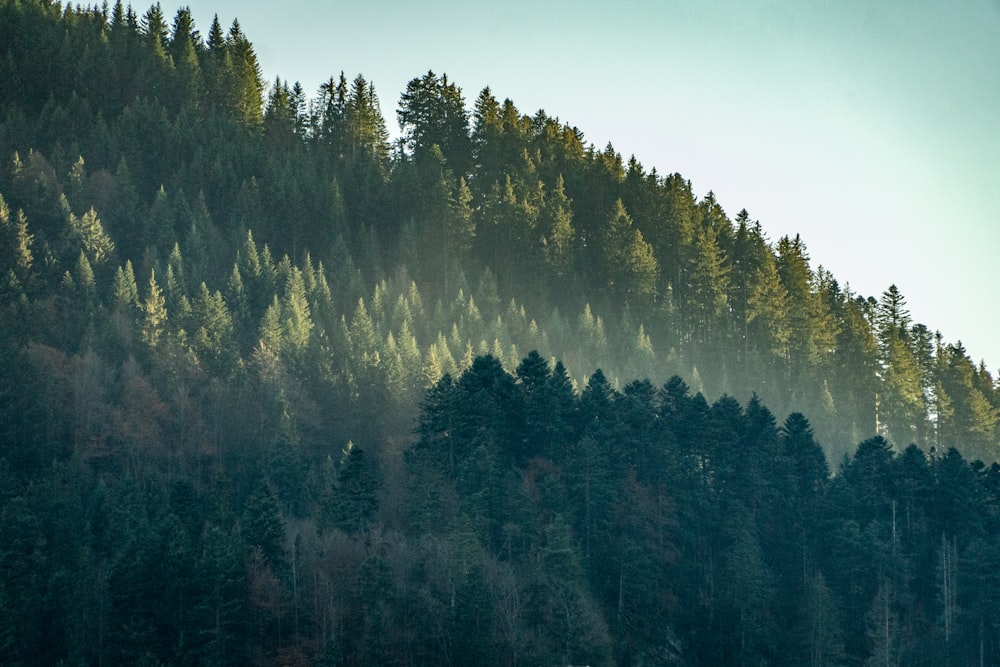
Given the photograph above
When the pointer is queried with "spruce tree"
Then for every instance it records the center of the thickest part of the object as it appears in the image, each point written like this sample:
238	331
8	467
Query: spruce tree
154	314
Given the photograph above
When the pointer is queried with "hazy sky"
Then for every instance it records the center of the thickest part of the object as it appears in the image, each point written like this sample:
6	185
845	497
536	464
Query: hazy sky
872	129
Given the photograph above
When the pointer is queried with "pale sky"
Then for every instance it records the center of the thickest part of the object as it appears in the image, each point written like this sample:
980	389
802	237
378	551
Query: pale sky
871	129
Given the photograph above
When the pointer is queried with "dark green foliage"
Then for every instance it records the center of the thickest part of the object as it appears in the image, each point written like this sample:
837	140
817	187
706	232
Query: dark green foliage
432	113
263	528
353	502
205	291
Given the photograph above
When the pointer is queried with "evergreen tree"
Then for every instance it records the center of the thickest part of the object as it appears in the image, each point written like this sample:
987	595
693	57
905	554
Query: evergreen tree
556	225
628	260
824	641
16	255
767	311
901	401
297	323
90	234
709	284
219	610
365	130
154	313
125	292
154	29
432	112
247	82
212	335
263	527
355	501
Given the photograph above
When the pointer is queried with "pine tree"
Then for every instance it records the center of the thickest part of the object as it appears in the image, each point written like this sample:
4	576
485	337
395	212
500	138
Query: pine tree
883	627
184	48
247	82
263	526
89	232
154	29
487	132
364	127
708	285
271	336
556	226
363	339
355	504
212	336
154	313
824	638
85	278
767	310
984	428
16	254
628	260
124	291
901	403
297	320
219	610
461	224
160	223
432	112
329	115
410	356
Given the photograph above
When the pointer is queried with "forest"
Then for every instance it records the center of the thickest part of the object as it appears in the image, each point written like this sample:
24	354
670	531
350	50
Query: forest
279	388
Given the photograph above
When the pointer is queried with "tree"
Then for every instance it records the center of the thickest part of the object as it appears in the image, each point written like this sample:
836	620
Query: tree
555	222
541	408
984	420
767	311
297	321
154	28
808	463
487	136
432	112
282	122
16	253
628	261
461	226
263	527
219	610
892	317
812	330
184	47
749	587
212	335
88	231
247	83
354	503
900	404
508	235
124	291
364	127
707	288
824	640
154	313
883	628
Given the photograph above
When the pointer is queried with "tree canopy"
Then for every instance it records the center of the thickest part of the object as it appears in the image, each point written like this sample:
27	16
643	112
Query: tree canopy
279	389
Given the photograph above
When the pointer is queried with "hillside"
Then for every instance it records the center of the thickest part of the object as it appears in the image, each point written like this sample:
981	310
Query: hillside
227	305
180	160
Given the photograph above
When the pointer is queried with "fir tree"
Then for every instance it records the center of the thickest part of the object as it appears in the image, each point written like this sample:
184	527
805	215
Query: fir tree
154	313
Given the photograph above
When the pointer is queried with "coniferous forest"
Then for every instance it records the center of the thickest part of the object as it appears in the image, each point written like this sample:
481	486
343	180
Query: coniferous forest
277	389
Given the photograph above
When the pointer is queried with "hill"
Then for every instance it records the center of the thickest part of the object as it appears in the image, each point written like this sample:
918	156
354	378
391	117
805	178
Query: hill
226	304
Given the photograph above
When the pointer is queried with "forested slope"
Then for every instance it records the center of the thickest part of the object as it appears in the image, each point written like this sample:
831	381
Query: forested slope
224	302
